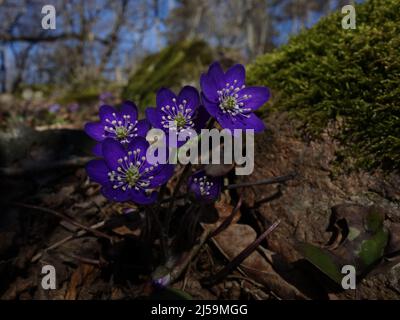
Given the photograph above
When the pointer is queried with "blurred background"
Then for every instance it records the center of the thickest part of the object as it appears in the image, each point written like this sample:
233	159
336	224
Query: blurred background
101	49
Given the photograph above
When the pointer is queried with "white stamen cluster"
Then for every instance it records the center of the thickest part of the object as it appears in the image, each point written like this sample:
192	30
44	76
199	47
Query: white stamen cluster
130	173
177	117
204	185
122	130
231	102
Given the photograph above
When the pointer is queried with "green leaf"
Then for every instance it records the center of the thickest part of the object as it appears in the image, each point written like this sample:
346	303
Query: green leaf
323	260
372	249
374	221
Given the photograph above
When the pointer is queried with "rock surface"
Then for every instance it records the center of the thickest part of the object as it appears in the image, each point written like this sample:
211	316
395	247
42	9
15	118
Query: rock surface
304	204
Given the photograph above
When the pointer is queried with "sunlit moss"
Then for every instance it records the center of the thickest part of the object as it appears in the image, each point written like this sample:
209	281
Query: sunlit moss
349	76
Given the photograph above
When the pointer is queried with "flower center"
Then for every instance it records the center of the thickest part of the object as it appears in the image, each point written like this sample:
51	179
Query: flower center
204	185
177	117
121	132
232	101
132	175
180	120
229	103
121	129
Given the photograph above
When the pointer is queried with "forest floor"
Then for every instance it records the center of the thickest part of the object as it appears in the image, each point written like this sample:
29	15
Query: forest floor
45	170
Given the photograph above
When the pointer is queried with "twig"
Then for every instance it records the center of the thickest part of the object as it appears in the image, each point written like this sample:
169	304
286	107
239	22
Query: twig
66	239
233	264
268	198
273	180
39	167
66	218
95	262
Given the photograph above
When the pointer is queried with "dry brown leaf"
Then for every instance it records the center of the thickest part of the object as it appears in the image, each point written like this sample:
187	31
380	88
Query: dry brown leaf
18	287
77	279
233	240
56	199
224	209
124	230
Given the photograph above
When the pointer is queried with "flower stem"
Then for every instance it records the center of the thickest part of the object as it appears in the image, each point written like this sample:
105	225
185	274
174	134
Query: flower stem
163	238
168	215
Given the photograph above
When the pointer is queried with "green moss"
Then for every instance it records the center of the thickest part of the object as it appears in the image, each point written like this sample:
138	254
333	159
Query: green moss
329	74
84	95
176	65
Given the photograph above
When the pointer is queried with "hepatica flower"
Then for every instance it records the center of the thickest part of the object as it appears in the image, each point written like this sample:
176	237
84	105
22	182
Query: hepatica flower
121	125
54	108
175	114
125	174
205	188
105	96
226	98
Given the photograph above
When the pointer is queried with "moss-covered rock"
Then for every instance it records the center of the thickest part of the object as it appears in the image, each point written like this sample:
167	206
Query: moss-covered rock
329	74
176	65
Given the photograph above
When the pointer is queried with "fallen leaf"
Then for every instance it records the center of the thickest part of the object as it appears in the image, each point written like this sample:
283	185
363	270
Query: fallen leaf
56	199
233	240
77	279
125	224
224	209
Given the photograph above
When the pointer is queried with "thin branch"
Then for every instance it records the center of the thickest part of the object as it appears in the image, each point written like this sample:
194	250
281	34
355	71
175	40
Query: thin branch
85	260
65	240
48	38
113	36
233	264
65	218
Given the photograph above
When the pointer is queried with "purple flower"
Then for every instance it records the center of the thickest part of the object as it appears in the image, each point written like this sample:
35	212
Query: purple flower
205	188
121	125
125	174
178	113
226	98
73	107
104	96
54	108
